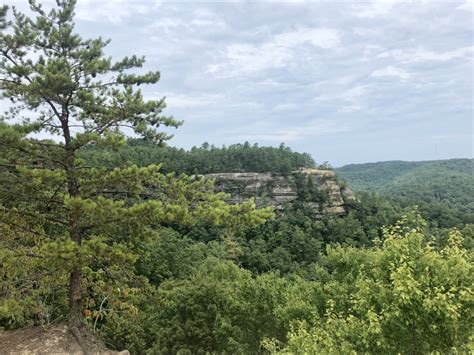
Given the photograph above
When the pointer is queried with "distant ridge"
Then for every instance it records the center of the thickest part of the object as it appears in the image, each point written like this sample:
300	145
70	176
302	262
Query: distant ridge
449	181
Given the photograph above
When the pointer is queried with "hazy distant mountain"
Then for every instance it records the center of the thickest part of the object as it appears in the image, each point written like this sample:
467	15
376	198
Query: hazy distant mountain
448	181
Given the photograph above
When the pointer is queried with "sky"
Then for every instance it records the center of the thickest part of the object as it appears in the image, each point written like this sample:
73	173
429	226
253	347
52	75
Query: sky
347	82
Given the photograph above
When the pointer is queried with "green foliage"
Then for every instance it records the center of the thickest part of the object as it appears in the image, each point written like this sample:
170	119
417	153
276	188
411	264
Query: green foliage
216	310
403	296
443	189
295	241
31	289
168	255
400	295
219	308
204	160
86	223
117	226
308	190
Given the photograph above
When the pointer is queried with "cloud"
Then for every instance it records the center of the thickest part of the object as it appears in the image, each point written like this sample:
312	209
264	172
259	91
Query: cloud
350	108
351	95
267	82
344	98
424	55
174	100
312	129
391	72
178	24
319	37
250	58
275	53
468	5
374	9
286	107
113	11
446	137
93	11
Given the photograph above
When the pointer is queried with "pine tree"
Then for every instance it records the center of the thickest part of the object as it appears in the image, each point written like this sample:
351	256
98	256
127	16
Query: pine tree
77	217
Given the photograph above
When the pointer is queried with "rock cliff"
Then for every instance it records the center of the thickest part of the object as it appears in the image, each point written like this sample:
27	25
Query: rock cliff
317	190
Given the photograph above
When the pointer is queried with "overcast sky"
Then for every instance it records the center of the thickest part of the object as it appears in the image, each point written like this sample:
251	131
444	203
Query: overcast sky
344	81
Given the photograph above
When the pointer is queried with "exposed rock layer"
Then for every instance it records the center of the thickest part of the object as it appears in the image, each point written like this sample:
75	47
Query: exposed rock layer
327	196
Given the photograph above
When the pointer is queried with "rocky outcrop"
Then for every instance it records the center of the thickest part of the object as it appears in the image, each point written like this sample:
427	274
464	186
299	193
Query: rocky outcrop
317	190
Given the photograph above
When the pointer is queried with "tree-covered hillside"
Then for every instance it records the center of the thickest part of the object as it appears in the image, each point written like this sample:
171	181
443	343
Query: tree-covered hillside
206	159
450	182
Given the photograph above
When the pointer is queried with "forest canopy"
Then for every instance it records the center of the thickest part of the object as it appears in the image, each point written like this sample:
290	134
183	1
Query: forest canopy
205	159
442	189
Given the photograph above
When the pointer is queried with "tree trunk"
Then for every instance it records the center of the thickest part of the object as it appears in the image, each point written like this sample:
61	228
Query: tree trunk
75	287
75	319
75	298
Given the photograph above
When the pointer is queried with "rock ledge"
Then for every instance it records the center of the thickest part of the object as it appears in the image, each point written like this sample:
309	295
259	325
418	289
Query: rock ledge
279	191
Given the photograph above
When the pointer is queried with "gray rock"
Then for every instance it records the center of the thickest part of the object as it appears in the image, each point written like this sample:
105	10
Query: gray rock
271	189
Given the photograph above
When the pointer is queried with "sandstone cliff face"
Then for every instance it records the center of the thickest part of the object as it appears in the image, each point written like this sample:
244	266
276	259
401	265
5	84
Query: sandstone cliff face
317	190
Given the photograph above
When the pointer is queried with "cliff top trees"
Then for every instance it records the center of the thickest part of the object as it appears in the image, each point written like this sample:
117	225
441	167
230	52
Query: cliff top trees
78	218
206	159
